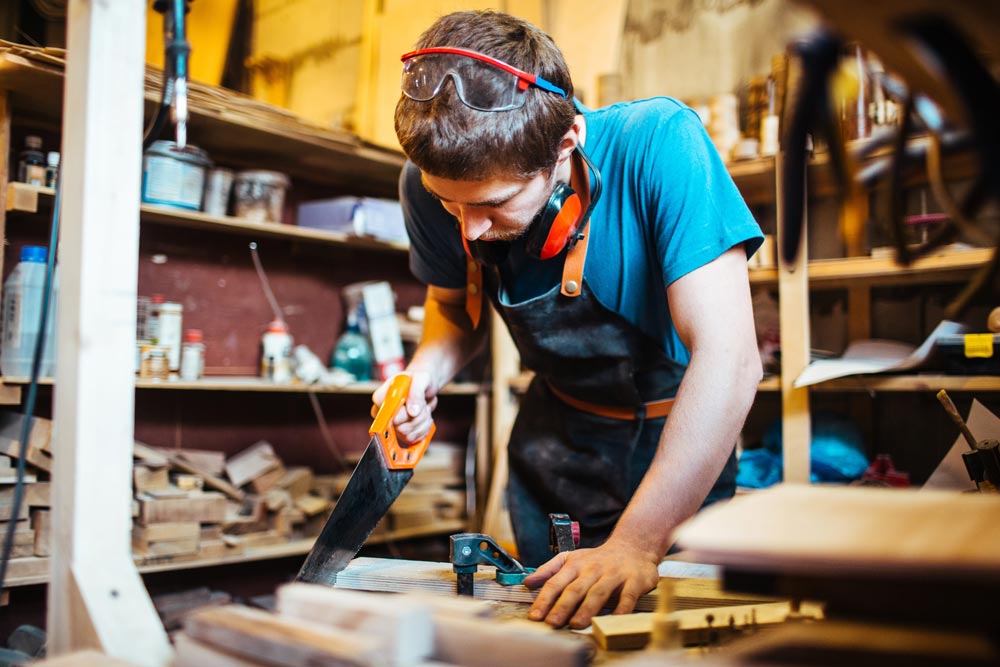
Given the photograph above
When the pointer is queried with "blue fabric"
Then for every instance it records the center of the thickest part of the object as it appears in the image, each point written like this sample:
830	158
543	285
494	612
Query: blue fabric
668	207
836	454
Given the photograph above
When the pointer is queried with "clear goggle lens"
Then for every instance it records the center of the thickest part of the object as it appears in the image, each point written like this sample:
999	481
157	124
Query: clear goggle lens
482	83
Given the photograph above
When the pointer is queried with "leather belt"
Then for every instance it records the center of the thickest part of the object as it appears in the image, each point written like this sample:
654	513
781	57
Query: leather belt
650	410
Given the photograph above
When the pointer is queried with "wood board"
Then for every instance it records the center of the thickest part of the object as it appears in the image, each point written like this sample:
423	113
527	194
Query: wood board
399	576
851	530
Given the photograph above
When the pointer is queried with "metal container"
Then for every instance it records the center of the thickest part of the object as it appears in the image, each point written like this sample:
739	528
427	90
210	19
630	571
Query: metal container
173	177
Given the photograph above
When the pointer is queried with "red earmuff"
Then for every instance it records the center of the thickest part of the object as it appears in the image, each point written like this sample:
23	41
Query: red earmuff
555	225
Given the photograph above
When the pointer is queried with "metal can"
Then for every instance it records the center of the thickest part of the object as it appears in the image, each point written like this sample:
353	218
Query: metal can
174	177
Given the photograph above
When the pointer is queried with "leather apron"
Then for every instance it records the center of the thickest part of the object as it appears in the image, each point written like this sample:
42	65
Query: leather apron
565	459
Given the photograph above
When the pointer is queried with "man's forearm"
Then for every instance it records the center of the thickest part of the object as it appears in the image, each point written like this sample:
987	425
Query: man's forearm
711	406
447	342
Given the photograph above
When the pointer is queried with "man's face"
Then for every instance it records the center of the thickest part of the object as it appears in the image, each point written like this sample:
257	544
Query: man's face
497	209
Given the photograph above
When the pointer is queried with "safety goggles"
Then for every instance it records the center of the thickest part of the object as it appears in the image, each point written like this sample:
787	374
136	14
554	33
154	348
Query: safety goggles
482	83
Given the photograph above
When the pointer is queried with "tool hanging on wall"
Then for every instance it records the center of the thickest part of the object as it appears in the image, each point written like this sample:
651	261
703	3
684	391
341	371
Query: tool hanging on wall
942	60
173	98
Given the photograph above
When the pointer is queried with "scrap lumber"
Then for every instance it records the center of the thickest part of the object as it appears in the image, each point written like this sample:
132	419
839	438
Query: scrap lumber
210	461
173	607
411	638
167	531
193	653
251	463
273	640
11	424
269	480
297	481
208	507
41	523
87	658
209	479
633	631
477	643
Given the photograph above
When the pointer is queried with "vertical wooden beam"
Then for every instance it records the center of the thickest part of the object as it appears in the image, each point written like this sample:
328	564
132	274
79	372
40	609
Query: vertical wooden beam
9	394
96	598
859	327
793	312
506	365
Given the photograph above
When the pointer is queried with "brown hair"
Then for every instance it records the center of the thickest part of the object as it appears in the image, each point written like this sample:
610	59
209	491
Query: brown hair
447	139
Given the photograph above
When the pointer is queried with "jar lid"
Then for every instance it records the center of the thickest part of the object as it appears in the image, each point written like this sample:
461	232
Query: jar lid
38	254
263	177
277	326
191	154
192	336
170	307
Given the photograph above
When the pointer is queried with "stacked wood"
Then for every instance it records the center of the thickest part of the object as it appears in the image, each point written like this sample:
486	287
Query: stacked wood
435	494
32	532
317	625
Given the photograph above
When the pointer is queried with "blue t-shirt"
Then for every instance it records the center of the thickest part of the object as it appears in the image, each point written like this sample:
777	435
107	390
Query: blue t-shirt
668	207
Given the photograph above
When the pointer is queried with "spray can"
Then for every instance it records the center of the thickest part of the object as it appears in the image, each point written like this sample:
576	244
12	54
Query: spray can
276	360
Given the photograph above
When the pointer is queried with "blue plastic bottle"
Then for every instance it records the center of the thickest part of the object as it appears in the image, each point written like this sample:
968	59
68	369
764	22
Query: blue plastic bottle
353	353
20	315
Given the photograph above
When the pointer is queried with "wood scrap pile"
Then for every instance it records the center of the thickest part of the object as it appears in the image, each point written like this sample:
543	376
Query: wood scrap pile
317	625
32	532
199	505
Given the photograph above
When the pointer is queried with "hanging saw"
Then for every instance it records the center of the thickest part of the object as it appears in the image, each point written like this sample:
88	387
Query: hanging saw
385	468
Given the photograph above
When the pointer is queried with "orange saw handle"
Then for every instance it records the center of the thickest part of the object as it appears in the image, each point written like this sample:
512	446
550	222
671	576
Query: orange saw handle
397	457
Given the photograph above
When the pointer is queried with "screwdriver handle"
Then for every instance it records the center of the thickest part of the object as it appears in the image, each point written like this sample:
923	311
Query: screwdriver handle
952	411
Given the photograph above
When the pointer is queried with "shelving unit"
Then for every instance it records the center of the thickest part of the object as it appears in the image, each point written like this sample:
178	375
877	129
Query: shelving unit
28	199
240	133
273	552
757	181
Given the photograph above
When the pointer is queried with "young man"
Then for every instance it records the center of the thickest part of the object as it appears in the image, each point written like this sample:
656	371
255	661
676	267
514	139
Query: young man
635	309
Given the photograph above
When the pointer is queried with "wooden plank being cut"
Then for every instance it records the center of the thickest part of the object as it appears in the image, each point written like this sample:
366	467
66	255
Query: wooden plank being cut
251	463
412	635
813	530
273	640
394	575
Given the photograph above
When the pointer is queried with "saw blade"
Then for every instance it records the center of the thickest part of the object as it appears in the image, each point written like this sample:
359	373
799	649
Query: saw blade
369	493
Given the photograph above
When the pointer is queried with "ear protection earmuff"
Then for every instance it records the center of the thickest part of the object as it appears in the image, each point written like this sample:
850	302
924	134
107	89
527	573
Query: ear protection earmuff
554	228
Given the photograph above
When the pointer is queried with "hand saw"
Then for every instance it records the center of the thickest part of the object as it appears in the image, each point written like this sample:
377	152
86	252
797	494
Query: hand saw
384	469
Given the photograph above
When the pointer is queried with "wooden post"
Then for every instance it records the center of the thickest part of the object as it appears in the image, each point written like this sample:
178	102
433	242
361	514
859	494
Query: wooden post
793	309
506	365
96	598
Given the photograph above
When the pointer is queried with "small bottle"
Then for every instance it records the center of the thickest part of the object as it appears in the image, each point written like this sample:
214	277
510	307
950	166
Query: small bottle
276	360
353	353
22	309
52	170
31	164
153	317
168	333
192	355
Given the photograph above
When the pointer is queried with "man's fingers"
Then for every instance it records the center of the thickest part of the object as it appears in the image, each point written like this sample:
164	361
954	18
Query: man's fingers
543	573
628	597
570	599
596	598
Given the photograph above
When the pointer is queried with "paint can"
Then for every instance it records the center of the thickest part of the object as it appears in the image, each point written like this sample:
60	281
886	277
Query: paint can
174	177
259	195
217	189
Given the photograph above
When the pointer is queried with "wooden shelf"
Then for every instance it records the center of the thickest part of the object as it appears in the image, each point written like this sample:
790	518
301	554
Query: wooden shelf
236	130
244	384
954	266
24	198
911	383
273	552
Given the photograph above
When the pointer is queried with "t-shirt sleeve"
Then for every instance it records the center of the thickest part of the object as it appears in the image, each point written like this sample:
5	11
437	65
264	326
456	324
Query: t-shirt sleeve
437	256
698	213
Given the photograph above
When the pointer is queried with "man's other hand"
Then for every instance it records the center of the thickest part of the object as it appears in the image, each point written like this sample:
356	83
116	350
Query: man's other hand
413	422
576	585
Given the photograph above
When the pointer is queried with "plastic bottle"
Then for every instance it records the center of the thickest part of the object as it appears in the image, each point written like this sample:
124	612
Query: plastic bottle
276	361
192	355
52	169
21	311
31	162
168	333
352	352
